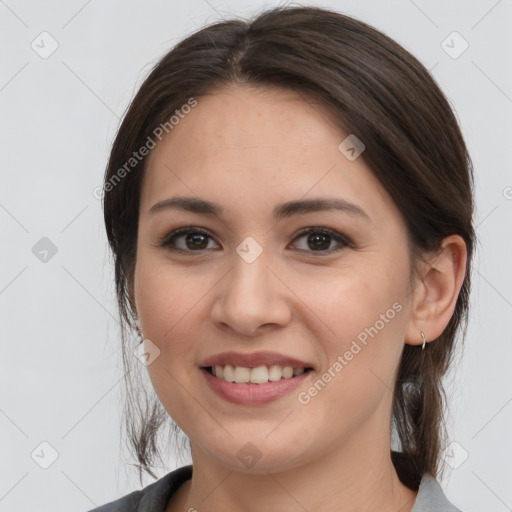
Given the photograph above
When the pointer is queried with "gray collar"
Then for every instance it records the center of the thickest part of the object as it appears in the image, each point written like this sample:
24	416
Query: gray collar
431	497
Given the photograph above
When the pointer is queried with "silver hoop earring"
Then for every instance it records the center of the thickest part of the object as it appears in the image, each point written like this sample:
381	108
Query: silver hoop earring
424	341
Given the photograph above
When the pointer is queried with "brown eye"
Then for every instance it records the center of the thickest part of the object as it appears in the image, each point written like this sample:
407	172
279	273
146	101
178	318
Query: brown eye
320	240
196	241
187	240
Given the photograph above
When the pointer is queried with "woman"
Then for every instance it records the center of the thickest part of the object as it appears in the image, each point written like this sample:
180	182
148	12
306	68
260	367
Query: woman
289	205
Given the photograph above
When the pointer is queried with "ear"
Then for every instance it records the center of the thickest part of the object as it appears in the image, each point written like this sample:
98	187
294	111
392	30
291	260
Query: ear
435	294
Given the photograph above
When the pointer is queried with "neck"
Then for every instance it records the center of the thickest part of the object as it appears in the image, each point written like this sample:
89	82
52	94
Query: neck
355	477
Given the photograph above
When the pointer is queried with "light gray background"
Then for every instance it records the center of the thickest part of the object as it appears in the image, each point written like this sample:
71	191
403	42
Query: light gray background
60	362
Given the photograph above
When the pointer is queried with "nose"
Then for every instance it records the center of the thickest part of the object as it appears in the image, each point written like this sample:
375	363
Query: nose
251	298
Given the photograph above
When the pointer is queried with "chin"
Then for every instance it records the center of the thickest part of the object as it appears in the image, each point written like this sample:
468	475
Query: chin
259	456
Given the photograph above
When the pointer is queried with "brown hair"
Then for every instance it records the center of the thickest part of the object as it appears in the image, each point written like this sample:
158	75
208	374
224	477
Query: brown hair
377	91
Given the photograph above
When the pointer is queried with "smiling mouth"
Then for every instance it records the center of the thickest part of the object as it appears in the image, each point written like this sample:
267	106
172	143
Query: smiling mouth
255	375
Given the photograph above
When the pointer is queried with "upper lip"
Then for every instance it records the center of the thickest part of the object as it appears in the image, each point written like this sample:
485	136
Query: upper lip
253	360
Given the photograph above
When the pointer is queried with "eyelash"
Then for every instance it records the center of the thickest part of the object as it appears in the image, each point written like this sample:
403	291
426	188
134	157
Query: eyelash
167	240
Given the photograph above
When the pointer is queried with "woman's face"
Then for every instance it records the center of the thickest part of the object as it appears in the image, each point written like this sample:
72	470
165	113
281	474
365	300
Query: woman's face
253	291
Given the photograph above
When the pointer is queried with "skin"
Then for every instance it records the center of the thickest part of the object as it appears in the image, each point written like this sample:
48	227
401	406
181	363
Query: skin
248	150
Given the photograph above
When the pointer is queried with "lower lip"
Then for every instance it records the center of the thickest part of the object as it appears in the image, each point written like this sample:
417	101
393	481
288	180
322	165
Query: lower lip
253	394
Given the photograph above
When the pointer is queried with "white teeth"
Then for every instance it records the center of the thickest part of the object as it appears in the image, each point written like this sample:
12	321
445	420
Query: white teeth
274	373
242	374
287	372
228	373
258	375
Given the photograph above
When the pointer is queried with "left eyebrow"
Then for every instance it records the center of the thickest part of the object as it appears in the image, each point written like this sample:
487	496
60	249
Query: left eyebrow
288	209
315	205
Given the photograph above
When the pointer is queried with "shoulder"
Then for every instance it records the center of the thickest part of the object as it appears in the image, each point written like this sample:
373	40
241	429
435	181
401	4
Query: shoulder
152	498
431	497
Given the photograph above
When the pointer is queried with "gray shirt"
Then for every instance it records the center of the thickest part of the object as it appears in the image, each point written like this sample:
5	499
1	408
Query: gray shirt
154	497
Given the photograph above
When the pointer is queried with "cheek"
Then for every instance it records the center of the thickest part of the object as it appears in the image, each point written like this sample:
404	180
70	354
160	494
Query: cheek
366	313
356	301
166	298
168	302
174	303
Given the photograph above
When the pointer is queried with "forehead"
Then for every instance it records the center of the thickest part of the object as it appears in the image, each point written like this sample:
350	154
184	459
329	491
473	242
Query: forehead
262	143
242	119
